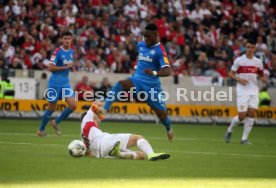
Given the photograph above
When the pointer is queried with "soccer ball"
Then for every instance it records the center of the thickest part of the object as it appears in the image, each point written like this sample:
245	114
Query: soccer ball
76	148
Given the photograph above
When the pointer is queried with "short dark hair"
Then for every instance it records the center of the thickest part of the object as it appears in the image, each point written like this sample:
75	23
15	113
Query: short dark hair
82	115
251	41
67	33
151	27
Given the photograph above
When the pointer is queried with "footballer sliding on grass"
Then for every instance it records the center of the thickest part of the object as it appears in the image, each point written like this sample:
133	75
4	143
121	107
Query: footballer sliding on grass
105	145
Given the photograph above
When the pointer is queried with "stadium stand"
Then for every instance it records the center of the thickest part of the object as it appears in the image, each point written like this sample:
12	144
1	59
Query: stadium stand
201	37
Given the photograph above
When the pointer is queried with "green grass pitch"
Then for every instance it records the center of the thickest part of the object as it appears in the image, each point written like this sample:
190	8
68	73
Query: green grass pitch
199	158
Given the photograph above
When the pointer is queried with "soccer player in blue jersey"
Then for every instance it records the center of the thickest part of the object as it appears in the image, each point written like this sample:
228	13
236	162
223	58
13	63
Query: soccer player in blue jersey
152	64
60	64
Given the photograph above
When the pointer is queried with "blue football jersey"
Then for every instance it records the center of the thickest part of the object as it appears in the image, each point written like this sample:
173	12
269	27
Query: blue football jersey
154	58
61	57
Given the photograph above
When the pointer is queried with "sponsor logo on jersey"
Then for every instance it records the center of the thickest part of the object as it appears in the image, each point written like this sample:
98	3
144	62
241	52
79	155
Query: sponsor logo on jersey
143	58
65	61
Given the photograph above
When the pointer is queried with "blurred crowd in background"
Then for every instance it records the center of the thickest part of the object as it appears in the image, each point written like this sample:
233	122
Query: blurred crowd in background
201	37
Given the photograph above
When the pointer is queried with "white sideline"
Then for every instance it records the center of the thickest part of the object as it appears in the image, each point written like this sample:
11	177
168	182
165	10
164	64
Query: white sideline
167	150
31	144
149	137
29	134
224	154
64	135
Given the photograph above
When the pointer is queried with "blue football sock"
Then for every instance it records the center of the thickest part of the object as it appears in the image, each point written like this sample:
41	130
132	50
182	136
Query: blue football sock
113	95
167	123
45	118
64	114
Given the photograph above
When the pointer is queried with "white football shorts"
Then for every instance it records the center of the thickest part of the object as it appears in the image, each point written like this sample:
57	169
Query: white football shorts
247	101
109	140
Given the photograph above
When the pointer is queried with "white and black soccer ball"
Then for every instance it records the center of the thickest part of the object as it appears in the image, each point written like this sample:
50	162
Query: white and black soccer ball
76	148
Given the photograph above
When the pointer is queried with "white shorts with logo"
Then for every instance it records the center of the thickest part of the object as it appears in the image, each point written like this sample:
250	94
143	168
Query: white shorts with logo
247	101
108	141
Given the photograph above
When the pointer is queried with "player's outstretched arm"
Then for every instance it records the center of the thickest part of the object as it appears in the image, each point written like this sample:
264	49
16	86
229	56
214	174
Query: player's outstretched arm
98	112
232	74
54	68
99	103
89	153
164	72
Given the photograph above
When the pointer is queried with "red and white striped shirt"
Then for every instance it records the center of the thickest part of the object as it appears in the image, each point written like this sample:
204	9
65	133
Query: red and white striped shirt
248	69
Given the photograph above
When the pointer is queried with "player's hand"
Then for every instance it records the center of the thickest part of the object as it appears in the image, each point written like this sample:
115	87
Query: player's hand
89	153
263	80
148	71
69	65
243	81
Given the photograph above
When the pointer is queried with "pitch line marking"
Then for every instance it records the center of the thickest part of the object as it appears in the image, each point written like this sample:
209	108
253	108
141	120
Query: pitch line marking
150	137
32	144
176	151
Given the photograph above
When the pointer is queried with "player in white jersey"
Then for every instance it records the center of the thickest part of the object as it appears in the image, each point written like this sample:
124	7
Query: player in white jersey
245	71
104	145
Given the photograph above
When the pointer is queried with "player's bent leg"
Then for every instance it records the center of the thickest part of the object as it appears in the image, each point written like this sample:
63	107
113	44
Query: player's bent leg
45	119
251	112
242	116
72	105
248	125
237	120
123	85
125	154
126	84
129	154
142	144
242	105
146	148
159	106
133	140
140	155
165	119
170	132
115	151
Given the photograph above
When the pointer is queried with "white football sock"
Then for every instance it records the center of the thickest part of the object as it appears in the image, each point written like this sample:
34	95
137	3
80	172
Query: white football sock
128	154
235	121
144	146
248	124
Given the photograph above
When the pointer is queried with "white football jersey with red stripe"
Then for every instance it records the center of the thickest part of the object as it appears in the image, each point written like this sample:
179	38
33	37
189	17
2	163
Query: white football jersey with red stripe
91	134
248	69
